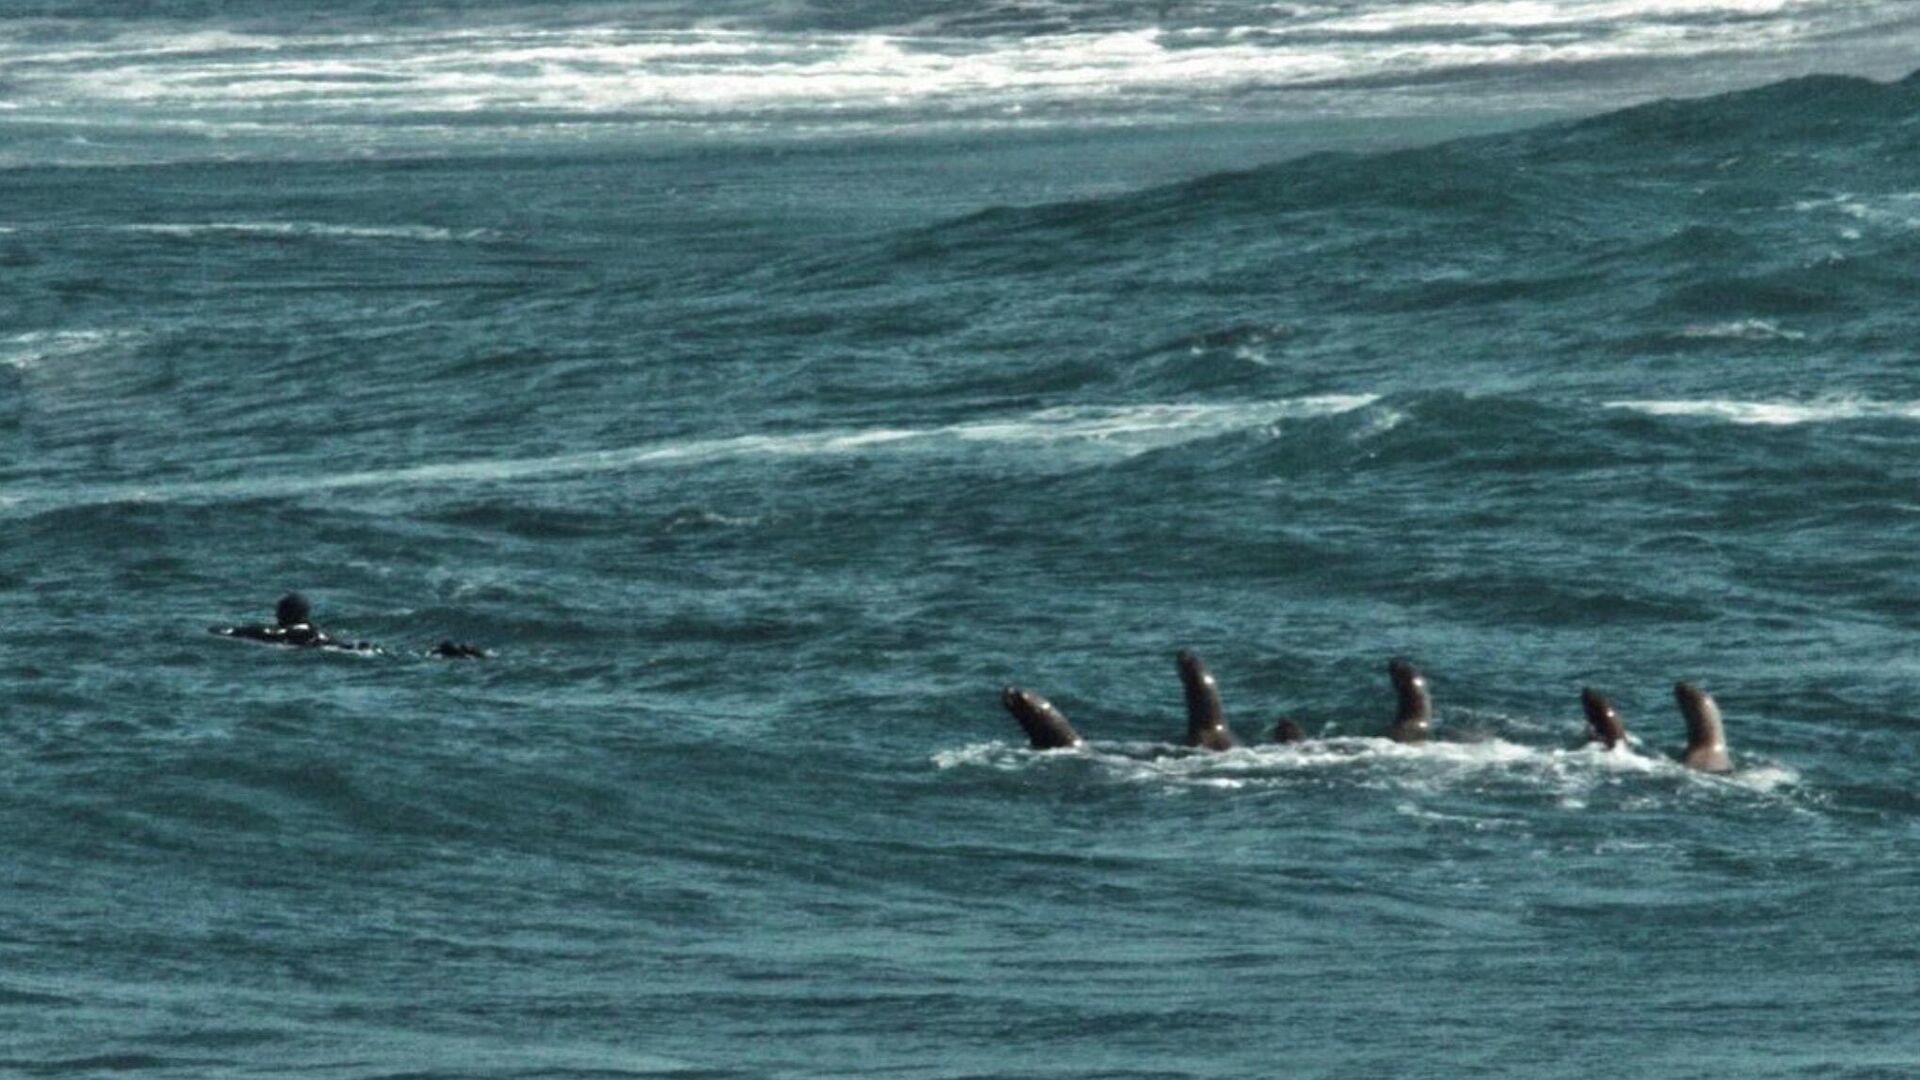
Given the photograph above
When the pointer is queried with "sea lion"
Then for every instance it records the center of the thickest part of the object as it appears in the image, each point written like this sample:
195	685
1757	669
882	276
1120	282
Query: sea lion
1045	726
1601	717
1415	707
1205	725
1286	731
1706	738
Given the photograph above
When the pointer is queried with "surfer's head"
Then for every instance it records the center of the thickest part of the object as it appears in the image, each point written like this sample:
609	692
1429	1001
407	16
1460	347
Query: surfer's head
292	610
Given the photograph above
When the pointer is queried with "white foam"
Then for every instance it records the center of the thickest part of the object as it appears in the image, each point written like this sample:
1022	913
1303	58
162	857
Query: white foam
1000	756
709	519
1137	428
423	233
25	351
587	73
1741	330
1777	413
1111	431
1375	764
1762	779
701	74
1528	14
1898	211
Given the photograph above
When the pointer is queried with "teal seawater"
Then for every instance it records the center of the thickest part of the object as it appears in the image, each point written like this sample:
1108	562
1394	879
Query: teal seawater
759	500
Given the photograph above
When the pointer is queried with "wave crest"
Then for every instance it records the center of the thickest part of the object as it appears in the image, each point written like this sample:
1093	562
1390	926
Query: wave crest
1777	413
1103	430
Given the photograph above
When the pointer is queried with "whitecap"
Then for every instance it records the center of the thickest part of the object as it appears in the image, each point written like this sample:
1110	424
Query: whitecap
693	519
1114	431
1138	428
1741	330
314	229
1525	14
29	350
1895	210
1825	410
708	75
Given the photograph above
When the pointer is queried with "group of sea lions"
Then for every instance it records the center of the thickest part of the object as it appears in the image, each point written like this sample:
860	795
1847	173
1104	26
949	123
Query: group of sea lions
1047	727
293	627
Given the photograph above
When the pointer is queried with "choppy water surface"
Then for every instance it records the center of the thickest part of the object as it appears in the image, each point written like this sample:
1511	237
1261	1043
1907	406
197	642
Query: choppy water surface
768	387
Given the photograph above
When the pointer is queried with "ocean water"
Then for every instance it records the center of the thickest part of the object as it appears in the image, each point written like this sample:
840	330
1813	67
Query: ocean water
768	384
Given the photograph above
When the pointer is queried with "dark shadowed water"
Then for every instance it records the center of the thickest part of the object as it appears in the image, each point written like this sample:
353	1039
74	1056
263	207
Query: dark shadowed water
768	387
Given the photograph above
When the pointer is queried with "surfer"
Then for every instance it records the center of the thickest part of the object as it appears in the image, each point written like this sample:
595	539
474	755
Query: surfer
293	627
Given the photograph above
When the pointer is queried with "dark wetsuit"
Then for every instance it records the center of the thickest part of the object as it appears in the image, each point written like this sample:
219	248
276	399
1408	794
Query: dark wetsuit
299	635
455	650
293	628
